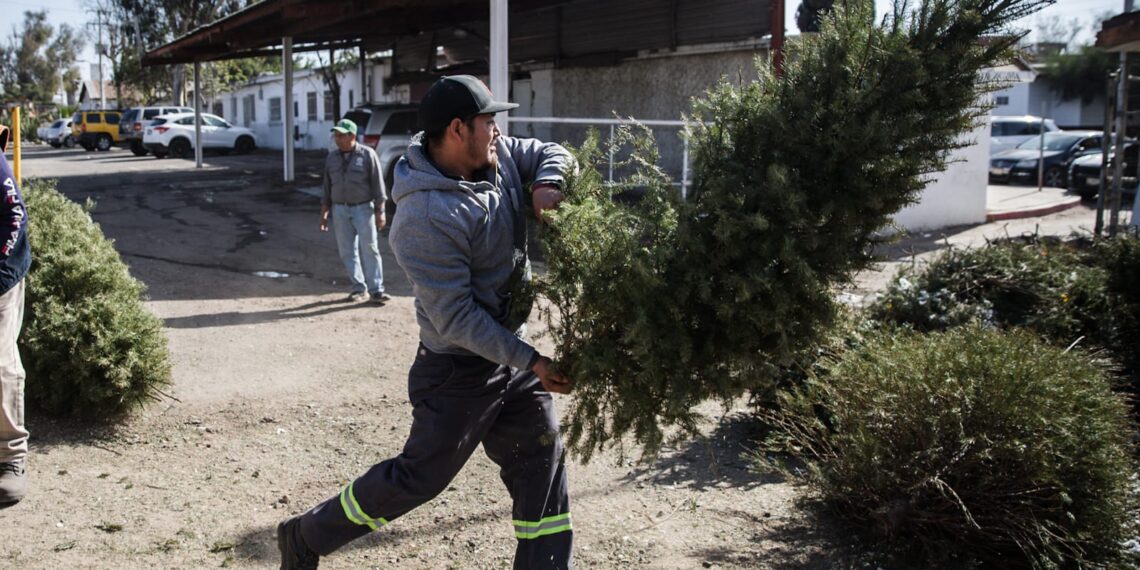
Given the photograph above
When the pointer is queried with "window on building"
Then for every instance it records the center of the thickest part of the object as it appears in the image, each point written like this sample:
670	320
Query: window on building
330	107
1001	100
233	109
296	108
249	110
218	107
351	104
311	105
274	109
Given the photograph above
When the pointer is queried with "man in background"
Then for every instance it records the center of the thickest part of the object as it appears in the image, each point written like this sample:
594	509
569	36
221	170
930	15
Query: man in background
354	195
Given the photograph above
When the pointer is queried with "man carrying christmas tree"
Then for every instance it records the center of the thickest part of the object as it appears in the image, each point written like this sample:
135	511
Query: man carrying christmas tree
461	237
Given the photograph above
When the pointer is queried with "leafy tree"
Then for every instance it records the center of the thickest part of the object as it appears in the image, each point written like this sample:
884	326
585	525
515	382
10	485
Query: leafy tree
330	73
38	59
138	25
1082	74
660	306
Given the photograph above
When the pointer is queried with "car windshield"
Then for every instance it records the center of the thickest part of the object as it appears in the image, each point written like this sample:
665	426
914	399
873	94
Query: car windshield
1053	141
57	124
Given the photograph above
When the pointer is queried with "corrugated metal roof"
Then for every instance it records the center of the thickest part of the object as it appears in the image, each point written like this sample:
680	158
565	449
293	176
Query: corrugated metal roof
540	30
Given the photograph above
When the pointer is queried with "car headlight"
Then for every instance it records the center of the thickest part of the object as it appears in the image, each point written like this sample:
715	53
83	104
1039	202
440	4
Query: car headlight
1030	163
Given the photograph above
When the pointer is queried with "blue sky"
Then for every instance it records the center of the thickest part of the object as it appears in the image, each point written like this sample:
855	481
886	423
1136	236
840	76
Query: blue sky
73	13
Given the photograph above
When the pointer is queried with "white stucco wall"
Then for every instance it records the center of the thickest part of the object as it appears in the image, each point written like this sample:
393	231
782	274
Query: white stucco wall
958	195
314	135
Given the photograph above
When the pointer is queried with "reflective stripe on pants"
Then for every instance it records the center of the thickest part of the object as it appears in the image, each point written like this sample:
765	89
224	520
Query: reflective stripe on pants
458	403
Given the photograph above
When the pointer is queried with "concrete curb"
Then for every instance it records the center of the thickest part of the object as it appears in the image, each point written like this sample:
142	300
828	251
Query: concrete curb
1042	210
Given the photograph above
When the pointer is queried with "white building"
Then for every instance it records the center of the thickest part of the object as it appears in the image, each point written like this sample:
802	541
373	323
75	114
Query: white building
259	104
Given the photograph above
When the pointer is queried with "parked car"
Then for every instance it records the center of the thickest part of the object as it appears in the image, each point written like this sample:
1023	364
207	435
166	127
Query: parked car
1084	173
136	119
1061	147
387	129
96	129
57	133
174	135
1008	132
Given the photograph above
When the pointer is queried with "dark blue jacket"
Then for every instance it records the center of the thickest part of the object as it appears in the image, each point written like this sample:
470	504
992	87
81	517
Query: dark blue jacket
15	254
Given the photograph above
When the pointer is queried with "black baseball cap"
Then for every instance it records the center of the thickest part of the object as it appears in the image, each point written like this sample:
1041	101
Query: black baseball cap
457	96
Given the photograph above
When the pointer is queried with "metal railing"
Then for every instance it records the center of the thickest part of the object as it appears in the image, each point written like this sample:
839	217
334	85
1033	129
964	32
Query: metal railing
613	124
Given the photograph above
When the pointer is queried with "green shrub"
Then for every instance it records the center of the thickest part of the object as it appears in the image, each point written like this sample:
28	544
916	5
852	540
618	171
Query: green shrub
971	443
1054	287
89	346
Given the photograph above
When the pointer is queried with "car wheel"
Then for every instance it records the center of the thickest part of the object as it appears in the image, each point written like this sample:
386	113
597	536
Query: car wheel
69	141
1055	177
180	148
244	145
138	149
103	143
55	144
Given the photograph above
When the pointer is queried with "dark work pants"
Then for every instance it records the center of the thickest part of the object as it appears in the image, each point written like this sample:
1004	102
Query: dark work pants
459	402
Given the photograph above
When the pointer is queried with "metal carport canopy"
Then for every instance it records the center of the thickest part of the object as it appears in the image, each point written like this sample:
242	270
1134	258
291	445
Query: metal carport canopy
589	31
327	24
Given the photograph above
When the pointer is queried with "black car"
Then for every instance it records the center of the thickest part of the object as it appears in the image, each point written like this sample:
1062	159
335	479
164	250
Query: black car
1061	147
1084	173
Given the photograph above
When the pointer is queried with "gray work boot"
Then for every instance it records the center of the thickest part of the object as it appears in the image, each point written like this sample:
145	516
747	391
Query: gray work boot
295	555
13	481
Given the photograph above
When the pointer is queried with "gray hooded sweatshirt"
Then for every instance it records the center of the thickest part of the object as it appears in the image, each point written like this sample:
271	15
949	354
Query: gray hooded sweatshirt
463	247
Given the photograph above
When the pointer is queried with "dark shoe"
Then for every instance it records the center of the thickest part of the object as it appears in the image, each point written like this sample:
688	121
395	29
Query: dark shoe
294	554
13	481
381	298
357	296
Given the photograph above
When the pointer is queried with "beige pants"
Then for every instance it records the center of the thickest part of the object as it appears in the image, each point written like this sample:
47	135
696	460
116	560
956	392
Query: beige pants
13	436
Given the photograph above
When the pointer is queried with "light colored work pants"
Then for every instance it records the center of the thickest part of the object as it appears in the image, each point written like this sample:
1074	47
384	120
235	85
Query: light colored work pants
13	436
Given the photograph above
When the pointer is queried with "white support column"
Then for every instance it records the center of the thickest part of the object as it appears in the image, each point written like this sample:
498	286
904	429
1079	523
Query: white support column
364	98
287	108
197	114
500	71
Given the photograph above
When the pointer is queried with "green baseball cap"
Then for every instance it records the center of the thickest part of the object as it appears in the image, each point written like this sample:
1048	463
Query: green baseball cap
345	127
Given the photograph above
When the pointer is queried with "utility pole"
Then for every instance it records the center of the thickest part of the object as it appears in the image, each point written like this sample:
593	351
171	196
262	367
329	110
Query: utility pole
99	49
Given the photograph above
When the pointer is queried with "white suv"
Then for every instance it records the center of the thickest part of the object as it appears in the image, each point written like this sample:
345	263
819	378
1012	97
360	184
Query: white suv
174	135
1008	132
388	129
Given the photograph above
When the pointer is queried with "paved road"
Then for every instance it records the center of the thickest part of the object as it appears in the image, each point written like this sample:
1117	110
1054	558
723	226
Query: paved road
235	215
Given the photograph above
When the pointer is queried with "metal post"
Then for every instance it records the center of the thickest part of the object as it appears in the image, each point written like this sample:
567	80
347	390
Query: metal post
364	98
500	74
16	145
685	168
287	65
1041	152
99	48
1121	132
197	114
611	145
777	43
1109	113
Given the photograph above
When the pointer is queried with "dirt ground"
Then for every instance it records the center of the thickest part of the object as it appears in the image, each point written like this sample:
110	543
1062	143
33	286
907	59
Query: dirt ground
284	393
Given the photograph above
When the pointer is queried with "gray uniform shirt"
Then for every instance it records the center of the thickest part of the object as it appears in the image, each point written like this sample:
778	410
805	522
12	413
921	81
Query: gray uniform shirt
353	177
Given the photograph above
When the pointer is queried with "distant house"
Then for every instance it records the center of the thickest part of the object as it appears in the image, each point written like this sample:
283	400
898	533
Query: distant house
91	96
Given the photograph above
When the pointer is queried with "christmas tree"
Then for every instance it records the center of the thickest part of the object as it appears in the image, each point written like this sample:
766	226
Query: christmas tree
664	303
